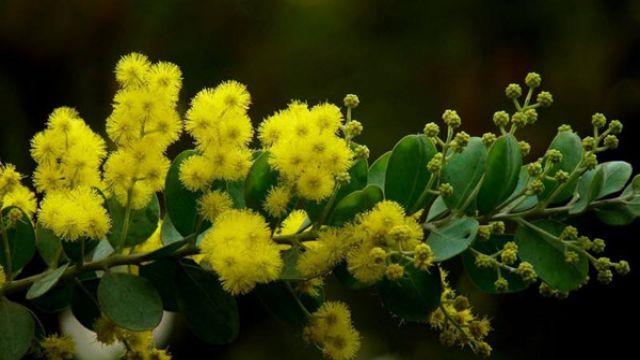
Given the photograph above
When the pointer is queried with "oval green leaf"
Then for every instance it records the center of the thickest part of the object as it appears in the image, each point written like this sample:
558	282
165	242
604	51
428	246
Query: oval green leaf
142	223
84	304
464	171
280	299
181	204
260	180
130	301
546	254
503	169
161	274
22	242
46	283
453	238
355	203
378	170
49	246
407	175
617	173
589	186
17	329
413	297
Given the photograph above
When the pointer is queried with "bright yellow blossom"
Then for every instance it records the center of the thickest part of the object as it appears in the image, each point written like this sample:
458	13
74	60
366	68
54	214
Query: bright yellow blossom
239	248
214	203
330	328
58	347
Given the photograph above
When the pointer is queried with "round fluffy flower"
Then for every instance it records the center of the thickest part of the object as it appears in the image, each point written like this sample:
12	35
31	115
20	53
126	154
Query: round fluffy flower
58	347
330	328
214	203
239	248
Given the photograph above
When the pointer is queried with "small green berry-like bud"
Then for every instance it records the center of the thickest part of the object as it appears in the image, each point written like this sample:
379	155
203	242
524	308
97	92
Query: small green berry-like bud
484	232
508	257
513	91
431	129
394	271
526	272
532	116
545	290
482	349
484	261
343	177
584	243
533	80
571	257
519	119
605	276
351	101
378	255
462	138
590	160
362	152
501	118
534	169
564	127
622	267
598	246
561	176
611	141
354	128
435	164
400	233
545	99
451	118
598	120
461	303
445	189
569	233
615	127
497	227
589	143
536	187
525	148
554	156
501	284
422	256
602	263
488	139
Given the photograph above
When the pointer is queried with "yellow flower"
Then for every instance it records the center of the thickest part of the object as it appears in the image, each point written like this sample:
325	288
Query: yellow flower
58	347
239	248
277	201
214	203
324	253
22	198
330	328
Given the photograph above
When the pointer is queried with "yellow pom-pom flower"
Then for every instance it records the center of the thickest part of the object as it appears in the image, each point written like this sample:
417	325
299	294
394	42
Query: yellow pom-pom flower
239	248
325	252
214	203
305	147
58	347
75	213
330	329
277	201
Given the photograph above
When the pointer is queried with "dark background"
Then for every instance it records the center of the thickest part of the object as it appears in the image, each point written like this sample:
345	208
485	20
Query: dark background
408	61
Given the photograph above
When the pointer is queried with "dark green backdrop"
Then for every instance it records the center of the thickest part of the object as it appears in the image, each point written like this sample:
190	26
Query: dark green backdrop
408	61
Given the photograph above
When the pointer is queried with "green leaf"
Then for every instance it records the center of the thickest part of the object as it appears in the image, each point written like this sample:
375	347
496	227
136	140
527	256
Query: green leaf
633	205
484	279
437	208
49	246
17	329
617	173
260	180
453	238
181	204
211	312
46	283
161	274
464	171
413	297
570	145
546	254
142	223
347	279
22	242
278	298
166	251
407	175
378	170
589	186
102	250
616	214
503	169
355	203
169	233
236	191
130	301
84	304
529	202
73	249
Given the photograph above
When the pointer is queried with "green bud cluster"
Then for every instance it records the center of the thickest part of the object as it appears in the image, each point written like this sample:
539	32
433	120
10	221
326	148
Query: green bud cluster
353	128
451	118
431	129
525	148
435	164
445	189
501	118
488	139
351	101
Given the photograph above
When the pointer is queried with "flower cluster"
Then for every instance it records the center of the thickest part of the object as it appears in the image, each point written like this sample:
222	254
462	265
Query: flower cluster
13	193
306	150
139	345
58	347
218	121
143	123
239	248
330	328
69	155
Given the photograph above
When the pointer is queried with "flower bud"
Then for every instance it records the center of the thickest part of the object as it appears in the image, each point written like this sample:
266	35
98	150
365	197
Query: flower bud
513	91
378	255
615	127
561	176
536	187
484	261
611	141
589	143
394	271
569	233
353	128
598	120
362	152
525	148
532	116
526	272
462	139
519	119
445	189
533	80
545	99
488	139
435	164
534	169
501	118
554	156
564	127
501	284
431	129
484	232
571	257
598	246
351	101
590	160
497	227
461	303
605	276
451	118
622	267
